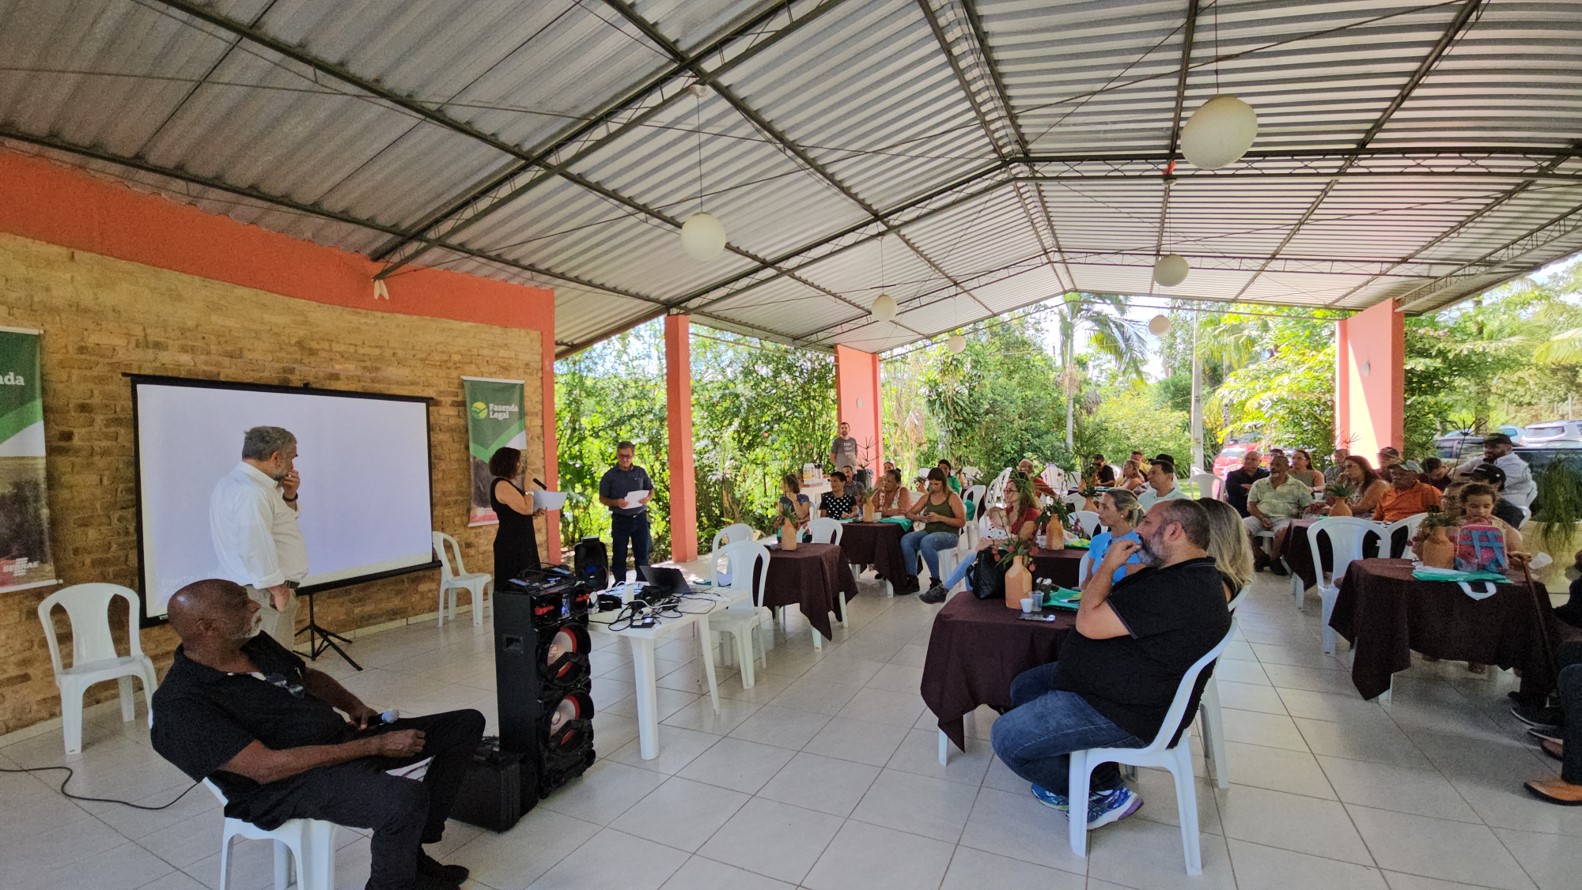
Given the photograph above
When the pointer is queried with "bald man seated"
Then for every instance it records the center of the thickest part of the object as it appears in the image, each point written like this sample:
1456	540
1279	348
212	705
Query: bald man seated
284	741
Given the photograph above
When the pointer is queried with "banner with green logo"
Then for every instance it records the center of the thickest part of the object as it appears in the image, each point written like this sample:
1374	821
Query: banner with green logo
25	559
495	420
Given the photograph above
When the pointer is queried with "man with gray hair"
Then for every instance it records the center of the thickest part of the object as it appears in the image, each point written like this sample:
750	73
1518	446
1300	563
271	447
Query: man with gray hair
253	523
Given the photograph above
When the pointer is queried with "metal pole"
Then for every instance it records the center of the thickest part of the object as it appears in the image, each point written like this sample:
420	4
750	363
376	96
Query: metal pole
1197	399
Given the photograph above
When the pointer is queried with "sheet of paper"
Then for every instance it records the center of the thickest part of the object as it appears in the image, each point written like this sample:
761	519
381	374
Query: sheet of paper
635	498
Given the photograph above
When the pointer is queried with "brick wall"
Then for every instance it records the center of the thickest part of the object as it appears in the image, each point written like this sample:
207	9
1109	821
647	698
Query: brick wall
103	317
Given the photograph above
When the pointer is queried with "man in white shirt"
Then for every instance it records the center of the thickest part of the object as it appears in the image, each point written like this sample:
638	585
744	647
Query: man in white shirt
1162	484
1520	489
253	523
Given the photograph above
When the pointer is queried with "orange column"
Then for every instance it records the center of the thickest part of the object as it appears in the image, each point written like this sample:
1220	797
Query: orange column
678	405
1370	380
857	398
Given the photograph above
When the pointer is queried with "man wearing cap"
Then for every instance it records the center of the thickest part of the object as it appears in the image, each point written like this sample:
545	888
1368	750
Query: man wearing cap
1388	456
1407	495
1498	450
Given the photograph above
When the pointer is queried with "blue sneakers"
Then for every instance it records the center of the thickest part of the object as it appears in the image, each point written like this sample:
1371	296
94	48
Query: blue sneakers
1112	806
1051	799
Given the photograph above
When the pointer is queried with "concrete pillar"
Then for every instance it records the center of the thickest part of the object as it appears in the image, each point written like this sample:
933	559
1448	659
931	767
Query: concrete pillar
857	398
678	403
1370	380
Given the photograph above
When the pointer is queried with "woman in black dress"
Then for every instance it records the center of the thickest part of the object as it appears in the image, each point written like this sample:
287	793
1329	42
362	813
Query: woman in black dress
515	541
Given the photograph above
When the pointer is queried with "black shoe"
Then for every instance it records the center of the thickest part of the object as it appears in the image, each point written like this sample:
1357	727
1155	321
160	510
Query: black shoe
1539	717
934	594
1278	568
1259	562
1543	735
909	585
428	866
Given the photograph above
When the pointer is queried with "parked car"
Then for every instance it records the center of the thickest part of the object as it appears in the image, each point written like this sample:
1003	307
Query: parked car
1229	457
1462	444
1552	431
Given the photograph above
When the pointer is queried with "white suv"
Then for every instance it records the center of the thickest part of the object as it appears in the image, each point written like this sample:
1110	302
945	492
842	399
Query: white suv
1553	431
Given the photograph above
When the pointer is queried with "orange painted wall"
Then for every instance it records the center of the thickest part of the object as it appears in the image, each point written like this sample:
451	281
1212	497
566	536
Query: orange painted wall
1370	380
54	203
857	395
678	411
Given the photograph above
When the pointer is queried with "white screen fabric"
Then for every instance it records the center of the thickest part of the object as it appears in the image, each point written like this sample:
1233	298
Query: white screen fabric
365	498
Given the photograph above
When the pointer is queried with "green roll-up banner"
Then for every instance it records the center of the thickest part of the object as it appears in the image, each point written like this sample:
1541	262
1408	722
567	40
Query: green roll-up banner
494	420
25	559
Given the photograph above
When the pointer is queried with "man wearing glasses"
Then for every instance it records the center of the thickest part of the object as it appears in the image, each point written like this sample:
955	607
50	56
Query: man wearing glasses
239	709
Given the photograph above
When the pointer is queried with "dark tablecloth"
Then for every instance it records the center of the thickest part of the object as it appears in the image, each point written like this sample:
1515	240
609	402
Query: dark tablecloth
812	577
876	544
1387	614
976	649
1059	566
1299	553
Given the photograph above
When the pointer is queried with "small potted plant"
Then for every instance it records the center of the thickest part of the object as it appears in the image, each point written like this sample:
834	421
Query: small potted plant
1338	492
1054	520
1018	579
1555	522
1436	549
788	521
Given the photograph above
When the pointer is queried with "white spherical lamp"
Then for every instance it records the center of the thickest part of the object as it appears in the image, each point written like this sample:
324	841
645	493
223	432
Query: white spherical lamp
956	343
1219	132
1159	325
1171	270
703	236
884	308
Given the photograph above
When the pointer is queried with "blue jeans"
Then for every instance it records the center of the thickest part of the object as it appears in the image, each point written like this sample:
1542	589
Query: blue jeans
635	530
927	543
1036	737
960	573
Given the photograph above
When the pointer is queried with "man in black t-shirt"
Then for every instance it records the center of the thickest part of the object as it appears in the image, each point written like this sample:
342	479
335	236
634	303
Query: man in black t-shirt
1238	482
242	711
628	518
1120	670
1101	473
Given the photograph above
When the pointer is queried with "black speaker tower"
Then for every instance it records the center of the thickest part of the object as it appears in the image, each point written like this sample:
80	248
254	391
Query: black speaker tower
542	687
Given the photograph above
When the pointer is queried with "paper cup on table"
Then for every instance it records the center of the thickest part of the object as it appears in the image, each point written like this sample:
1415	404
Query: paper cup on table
549	500
1027	604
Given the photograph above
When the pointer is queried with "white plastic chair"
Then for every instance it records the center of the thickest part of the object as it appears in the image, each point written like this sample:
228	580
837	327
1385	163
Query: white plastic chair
1088	521
1074	501
825	530
309	843
966	548
1210	720
454	577
1084	570
1410	523
1159	753
974	495
741	620
1054	477
1346	535
741	531
93	655
999	481
1207	485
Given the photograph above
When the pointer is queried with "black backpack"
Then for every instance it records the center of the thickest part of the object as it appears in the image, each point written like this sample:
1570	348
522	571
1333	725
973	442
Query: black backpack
986	577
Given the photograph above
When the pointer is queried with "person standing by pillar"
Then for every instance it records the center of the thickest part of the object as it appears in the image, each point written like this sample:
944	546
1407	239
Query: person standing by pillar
628	519
253	524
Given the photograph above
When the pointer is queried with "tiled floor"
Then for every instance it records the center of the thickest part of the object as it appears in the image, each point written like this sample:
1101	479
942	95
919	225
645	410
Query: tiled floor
825	776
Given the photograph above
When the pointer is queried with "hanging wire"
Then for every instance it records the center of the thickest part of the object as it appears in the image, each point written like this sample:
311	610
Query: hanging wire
697	117
1216	48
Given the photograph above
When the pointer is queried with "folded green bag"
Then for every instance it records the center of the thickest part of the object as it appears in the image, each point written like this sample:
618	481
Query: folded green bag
902	521
1431	574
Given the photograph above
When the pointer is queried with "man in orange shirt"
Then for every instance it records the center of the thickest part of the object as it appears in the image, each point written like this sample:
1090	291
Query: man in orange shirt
1408	495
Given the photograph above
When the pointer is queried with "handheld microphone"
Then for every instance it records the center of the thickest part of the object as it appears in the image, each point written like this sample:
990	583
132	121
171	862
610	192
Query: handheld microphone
540	484
390	716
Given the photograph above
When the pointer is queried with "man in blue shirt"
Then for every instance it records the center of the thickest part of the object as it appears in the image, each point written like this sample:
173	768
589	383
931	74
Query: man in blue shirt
628	519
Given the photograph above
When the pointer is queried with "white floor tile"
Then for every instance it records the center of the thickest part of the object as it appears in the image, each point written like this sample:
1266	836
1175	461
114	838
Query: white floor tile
614	860
920	805
1018	826
706	874
773	839
1291	822
1436	848
1277	769
512	860
681	813
868	857
826	784
737	764
1266	868
976	870
781	727
1554	861
1148	856
1403	790
677	748
603	793
919	754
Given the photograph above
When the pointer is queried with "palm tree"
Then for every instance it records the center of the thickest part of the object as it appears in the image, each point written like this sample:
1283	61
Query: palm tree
1110	334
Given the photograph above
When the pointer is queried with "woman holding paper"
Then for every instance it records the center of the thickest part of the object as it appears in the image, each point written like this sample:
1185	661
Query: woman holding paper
515	540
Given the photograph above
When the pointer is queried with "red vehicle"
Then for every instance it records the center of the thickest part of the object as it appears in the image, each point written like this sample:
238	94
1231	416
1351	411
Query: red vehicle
1229	457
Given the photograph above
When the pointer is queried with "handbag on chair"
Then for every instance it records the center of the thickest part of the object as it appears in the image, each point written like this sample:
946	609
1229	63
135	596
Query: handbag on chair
985	577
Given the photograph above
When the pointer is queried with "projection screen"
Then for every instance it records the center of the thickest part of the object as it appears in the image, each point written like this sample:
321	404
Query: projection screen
365	503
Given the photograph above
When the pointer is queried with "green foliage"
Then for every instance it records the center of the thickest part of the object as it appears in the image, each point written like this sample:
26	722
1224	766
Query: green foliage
1131	414
1560	504
759	411
608	392
1287	386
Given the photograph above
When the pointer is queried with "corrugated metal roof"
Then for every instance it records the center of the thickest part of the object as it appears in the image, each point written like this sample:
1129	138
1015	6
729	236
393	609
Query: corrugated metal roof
1003	150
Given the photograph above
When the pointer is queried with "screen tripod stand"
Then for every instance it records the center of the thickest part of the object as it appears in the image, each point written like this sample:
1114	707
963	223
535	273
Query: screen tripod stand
321	638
